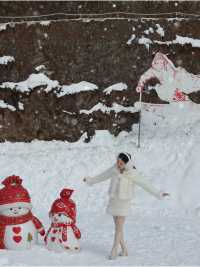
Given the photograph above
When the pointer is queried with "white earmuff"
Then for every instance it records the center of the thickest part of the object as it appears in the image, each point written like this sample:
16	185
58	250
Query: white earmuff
128	155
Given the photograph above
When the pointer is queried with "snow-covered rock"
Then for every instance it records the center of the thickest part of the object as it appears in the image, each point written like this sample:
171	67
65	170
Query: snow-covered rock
130	40
3	104
115	87
3	26
160	30
45	22
34	80
6	59
77	88
181	40
105	109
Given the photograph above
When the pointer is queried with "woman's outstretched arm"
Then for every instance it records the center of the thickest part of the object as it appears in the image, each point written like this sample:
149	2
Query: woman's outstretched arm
107	174
147	186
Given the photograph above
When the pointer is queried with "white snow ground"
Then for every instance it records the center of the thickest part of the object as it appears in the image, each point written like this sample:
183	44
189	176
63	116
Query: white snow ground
158	232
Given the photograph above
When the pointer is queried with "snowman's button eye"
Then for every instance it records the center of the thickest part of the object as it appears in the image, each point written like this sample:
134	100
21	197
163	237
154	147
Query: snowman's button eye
11	208
59	215
20	208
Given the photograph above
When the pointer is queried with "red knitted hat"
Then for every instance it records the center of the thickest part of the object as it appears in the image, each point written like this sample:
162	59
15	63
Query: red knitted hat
64	204
14	194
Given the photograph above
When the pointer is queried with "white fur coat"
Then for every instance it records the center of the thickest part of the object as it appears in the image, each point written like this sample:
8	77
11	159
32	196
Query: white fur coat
122	184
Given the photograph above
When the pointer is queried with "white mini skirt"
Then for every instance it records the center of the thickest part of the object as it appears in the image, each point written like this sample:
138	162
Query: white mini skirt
118	207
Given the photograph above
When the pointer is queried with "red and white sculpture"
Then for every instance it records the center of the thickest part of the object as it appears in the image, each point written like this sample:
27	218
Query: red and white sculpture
18	227
175	83
63	235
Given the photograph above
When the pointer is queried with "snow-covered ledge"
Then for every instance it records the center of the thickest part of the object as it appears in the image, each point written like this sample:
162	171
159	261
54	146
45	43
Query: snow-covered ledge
105	109
6	59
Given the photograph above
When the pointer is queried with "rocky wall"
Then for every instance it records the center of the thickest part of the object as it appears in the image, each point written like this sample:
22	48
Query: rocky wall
97	50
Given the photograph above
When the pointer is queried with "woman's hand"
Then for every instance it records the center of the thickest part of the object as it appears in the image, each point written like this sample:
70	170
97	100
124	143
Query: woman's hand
165	194
85	179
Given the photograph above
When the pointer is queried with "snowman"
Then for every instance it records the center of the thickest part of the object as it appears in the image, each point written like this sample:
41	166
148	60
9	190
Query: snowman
175	83
18	226
63	235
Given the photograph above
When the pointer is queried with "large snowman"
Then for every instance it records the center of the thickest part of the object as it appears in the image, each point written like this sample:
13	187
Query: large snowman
63	235
175	83
18	226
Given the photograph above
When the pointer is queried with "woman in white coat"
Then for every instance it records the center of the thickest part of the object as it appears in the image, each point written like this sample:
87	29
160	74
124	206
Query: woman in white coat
123	177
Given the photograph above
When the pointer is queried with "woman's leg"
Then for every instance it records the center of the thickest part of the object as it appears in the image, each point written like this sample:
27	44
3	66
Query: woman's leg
124	251
118	239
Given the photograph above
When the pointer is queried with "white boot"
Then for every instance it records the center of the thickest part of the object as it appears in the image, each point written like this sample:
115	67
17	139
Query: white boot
124	253
113	255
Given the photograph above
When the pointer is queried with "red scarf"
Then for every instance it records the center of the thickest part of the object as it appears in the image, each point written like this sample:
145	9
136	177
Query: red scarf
5	220
75	229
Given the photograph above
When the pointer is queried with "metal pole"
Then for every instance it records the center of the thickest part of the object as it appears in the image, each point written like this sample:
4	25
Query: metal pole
140	117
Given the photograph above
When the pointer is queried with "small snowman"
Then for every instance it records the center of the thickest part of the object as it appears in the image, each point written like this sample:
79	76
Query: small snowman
18	227
63	234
